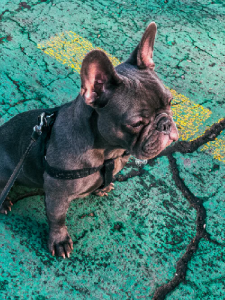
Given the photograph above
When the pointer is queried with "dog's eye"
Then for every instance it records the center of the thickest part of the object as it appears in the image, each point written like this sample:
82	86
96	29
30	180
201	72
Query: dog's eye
134	127
138	124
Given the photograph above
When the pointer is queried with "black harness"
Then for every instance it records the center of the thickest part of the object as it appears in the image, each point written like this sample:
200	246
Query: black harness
106	171
43	129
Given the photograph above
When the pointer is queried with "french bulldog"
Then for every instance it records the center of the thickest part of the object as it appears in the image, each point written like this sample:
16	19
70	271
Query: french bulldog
126	108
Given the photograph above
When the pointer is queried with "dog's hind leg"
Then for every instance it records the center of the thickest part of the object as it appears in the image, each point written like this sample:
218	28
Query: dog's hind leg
17	193
7	204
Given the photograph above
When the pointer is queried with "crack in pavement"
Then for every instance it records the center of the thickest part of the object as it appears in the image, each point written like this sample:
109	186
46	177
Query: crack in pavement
16	83
181	267
197	203
23	5
18	87
23	30
182	264
2	14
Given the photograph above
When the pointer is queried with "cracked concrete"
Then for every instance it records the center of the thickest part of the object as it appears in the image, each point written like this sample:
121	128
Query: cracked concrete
160	233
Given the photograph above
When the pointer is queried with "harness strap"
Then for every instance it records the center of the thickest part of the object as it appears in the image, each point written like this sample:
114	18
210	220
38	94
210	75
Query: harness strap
108	168
106	172
69	174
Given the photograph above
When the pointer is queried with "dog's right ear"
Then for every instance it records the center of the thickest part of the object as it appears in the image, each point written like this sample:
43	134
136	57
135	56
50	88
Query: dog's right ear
142	55
97	74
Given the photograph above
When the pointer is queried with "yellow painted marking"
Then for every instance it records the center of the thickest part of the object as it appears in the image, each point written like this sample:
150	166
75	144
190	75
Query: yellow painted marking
69	49
216	148
189	116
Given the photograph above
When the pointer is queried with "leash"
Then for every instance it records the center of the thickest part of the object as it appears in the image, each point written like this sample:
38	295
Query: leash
45	123
15	174
44	120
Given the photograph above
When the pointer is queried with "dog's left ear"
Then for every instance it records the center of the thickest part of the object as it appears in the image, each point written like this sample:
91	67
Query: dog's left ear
97	74
143	54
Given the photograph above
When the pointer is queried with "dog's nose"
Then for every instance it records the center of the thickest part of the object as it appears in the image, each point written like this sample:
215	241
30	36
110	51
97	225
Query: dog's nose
164	125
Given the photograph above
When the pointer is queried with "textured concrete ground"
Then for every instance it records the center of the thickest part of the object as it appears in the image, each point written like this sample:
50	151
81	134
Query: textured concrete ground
160	233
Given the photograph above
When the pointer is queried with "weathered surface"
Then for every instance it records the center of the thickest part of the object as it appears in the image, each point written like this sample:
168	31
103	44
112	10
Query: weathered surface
160	233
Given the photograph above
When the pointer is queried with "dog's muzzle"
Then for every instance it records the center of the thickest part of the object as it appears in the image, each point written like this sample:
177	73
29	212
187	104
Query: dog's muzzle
163	123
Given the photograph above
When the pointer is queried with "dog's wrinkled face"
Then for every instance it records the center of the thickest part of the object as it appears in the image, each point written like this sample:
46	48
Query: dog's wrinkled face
138	117
132	103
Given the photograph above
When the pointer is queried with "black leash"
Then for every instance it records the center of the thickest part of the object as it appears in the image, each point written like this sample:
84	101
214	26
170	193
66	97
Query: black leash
15	174
44	120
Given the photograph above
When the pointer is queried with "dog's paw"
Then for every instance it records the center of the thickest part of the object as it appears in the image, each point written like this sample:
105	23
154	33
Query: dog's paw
104	191
6	206
60	243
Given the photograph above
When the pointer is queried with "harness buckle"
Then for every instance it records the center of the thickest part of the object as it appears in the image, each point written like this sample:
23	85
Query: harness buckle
37	130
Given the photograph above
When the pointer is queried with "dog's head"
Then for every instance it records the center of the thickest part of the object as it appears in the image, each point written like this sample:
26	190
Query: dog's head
132	104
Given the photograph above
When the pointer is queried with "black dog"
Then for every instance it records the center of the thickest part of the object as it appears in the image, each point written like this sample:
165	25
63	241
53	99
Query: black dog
119	110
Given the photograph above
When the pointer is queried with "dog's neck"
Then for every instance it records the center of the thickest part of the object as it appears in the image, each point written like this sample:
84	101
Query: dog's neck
90	117
81	143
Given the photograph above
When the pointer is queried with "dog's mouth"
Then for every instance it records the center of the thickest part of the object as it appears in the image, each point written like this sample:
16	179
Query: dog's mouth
155	140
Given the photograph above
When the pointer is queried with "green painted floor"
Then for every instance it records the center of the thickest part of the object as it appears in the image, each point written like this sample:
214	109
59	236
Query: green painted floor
130	244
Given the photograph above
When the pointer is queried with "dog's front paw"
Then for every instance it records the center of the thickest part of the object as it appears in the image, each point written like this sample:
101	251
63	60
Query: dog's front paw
6	206
104	191
60	243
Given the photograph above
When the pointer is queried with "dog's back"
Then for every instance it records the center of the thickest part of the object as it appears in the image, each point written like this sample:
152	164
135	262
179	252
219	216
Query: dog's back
15	137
